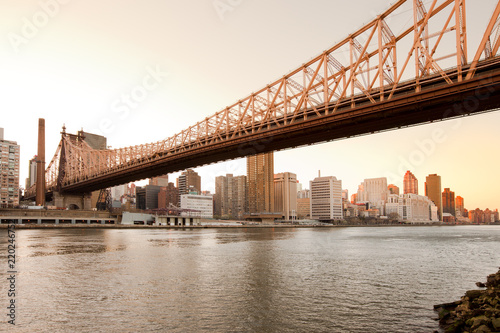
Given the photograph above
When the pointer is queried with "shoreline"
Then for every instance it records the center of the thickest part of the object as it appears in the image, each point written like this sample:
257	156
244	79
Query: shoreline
219	226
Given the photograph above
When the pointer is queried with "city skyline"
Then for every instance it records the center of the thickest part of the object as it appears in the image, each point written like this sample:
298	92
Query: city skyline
46	79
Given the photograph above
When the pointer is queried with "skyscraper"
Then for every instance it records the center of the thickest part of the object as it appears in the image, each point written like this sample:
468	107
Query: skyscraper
9	173
373	191
326	199
448	201
410	183
433	192
285	194
230	196
260	182
189	181
459	205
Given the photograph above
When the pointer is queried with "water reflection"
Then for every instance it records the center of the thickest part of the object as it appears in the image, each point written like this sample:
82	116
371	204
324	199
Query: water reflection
246	280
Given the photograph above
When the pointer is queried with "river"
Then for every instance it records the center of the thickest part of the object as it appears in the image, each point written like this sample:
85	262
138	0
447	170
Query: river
366	279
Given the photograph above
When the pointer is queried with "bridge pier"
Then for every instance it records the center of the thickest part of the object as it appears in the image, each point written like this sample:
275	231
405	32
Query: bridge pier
73	201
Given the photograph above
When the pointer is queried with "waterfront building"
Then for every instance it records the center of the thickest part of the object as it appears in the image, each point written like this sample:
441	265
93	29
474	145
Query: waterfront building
410	183
326	199
230	196
448	201
285	194
168	196
159	181
9	172
393	189
147	197
373	191
411	208
260	183
197	203
459	206
189	182
303	208
433	192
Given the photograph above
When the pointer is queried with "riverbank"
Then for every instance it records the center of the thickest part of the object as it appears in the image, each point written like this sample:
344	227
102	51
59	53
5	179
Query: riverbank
476	311
214	226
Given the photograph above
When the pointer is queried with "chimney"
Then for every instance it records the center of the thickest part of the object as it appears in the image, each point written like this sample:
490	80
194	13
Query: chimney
40	164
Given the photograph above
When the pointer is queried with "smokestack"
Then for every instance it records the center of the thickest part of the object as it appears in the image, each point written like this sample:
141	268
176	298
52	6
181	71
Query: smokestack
40	164
319	173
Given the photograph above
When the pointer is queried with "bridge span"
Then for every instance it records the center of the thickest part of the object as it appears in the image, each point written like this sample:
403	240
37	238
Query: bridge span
389	81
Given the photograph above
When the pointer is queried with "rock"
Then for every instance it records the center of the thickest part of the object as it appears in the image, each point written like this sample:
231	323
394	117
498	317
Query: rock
496	323
473	294
483	329
480	285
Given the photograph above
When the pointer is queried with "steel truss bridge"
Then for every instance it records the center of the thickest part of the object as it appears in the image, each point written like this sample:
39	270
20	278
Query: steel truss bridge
386	81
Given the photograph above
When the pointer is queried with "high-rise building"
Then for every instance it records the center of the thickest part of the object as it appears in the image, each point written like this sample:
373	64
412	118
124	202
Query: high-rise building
373	191
159	181
147	196
303	194
345	195
260	183
448	200
326	199
32	173
9	173
230	196
459	206
410	183
189	182
168	196
223	197
285	194
433	192
393	189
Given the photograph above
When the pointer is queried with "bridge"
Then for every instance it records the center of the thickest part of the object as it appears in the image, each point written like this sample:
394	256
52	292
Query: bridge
420	75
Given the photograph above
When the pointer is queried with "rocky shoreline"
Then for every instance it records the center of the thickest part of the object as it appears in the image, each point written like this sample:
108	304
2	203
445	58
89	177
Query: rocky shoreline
477	311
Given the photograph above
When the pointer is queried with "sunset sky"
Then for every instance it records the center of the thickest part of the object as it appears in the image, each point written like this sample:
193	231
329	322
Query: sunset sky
76	66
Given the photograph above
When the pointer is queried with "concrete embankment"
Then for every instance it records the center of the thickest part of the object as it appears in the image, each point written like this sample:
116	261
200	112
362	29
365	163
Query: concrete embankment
477	311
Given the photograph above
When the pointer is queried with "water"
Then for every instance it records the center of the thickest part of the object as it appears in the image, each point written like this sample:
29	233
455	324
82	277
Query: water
243	280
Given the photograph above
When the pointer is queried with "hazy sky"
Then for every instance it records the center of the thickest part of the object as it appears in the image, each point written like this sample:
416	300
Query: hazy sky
75	65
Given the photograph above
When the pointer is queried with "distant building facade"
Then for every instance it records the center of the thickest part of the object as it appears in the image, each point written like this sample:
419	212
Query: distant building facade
373	191
303	208
326	199
393	189
412	208
168	197
159	181
230	196
410	183
9	172
433	192
189	182
147	197
201	203
260	183
448	200
285	194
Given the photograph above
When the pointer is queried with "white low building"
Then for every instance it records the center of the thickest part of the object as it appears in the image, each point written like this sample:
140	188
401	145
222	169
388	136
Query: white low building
202	203
412	208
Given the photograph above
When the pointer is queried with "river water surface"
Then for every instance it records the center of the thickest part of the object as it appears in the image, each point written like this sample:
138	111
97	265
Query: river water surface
370	279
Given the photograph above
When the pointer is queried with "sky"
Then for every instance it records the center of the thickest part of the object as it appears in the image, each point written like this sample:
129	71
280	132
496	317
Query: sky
74	63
